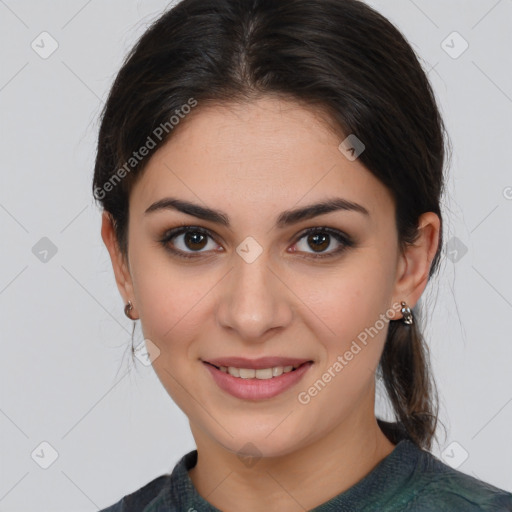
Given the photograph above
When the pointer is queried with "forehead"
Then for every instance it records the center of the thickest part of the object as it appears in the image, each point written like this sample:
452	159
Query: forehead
265	153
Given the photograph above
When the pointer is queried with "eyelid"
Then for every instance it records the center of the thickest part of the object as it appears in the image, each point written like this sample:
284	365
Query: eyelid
172	233
341	237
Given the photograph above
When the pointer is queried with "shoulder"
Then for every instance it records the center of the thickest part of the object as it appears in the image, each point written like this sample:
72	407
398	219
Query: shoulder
437	486
149	494
169	492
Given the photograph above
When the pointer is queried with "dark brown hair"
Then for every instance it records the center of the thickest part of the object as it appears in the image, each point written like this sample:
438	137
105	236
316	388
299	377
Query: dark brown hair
337	56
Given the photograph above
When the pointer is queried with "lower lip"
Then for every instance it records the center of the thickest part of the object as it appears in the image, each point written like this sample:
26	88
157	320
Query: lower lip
257	389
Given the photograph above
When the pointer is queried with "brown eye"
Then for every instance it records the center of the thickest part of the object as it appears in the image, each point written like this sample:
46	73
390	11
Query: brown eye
187	240
194	241
317	241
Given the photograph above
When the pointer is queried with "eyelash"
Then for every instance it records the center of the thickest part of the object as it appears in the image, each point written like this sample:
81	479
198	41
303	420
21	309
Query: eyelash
345	241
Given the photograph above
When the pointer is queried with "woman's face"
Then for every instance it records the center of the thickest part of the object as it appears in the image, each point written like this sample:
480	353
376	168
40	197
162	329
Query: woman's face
251	282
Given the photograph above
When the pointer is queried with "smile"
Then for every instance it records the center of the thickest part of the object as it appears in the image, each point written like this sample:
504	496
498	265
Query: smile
251	373
256	384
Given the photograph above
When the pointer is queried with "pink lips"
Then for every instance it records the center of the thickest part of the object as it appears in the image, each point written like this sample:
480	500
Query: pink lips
257	389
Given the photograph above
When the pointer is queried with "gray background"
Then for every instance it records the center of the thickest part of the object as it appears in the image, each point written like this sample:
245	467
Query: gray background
65	370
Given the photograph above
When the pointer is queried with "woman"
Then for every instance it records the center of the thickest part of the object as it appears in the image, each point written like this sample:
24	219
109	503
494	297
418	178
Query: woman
271	174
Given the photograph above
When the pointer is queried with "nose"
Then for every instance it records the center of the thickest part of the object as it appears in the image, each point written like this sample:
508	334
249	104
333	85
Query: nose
254	301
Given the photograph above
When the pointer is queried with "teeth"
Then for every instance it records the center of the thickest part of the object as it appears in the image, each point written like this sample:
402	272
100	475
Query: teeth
277	370
251	373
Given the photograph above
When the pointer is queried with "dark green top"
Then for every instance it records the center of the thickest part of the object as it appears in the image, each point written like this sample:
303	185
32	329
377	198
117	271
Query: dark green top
409	479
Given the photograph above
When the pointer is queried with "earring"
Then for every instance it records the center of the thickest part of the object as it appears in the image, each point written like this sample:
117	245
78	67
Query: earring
127	309
407	314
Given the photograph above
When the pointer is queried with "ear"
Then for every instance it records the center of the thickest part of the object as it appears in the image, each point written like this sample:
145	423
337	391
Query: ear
119	261
415	262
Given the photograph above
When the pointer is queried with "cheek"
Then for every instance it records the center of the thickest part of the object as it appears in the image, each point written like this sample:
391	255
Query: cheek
164	295
354	310
351	303
172	314
169	306
352	296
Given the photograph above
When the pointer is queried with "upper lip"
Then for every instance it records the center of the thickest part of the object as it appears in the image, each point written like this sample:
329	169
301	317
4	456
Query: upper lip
256	364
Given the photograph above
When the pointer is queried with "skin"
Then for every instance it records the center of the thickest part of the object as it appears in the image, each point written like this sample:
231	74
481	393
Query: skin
254	161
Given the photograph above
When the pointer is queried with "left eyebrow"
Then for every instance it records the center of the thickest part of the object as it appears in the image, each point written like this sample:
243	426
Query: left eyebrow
286	218
290	217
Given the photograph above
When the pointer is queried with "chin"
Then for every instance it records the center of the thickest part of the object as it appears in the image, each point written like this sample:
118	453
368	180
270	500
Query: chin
262	442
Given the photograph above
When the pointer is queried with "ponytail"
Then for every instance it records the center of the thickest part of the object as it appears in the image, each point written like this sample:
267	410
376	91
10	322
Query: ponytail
405	370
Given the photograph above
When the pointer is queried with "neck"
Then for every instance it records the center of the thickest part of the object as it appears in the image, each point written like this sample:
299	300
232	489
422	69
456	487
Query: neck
306	477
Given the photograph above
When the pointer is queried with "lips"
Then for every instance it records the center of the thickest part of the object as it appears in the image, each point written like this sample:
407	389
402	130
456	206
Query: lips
256	388
256	364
